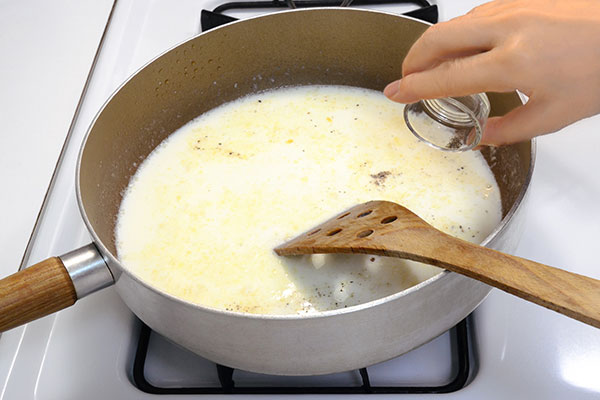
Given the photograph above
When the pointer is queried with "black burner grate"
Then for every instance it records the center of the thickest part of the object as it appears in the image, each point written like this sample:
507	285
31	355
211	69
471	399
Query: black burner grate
460	361
212	19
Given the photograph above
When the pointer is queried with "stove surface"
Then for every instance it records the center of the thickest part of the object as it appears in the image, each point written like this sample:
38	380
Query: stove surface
523	350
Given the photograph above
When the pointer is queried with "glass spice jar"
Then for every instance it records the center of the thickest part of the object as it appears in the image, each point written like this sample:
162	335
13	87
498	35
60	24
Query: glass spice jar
450	123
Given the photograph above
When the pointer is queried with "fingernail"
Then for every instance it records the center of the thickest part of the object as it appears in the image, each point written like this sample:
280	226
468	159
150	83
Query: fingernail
392	89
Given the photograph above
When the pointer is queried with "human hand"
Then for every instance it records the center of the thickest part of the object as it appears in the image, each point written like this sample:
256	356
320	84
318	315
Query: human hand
548	50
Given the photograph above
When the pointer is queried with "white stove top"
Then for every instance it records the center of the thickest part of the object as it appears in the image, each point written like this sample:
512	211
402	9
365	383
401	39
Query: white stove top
523	350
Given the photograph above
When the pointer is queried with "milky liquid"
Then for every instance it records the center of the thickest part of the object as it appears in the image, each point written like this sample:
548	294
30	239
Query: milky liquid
204	211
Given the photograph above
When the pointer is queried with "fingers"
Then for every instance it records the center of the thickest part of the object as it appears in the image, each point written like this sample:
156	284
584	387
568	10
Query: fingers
523	123
458	37
456	77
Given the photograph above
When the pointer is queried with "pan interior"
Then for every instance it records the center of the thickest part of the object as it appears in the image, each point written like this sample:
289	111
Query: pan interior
318	46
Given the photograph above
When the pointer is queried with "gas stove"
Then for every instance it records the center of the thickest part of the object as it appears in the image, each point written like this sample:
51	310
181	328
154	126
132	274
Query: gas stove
506	348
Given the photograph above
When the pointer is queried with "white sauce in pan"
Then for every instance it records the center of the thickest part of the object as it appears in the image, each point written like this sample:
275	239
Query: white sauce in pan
204	211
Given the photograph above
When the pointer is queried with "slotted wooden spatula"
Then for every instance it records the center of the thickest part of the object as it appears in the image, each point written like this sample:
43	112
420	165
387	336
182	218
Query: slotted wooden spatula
388	229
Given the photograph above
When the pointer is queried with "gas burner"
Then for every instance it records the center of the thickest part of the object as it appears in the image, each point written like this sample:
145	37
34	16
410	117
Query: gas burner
215	18
225	384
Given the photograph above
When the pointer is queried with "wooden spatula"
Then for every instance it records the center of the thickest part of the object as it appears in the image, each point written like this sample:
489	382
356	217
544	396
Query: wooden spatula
388	229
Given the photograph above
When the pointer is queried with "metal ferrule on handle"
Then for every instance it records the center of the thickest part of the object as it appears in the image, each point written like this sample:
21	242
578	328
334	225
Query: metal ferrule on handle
87	269
51	285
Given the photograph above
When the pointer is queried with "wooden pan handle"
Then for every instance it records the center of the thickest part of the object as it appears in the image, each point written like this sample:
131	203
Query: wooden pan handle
35	292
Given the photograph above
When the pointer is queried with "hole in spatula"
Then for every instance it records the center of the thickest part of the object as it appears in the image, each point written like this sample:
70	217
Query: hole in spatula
343	215
334	232
365	233
387	220
364	214
315	231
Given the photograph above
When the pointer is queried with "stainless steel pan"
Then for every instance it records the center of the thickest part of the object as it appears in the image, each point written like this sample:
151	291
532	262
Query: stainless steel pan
318	46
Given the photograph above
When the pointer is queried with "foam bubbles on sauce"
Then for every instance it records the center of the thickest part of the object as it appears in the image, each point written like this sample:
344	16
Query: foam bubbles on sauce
204	211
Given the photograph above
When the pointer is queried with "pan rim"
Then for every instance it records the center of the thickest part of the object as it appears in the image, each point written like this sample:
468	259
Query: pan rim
113	262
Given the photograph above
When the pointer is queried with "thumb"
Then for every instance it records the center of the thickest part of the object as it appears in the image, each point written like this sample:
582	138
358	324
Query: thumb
523	123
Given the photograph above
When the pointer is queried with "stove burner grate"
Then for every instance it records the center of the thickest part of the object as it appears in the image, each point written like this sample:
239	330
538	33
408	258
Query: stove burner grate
215	18
460	361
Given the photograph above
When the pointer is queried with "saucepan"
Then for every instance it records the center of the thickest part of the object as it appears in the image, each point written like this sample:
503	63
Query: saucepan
317	46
